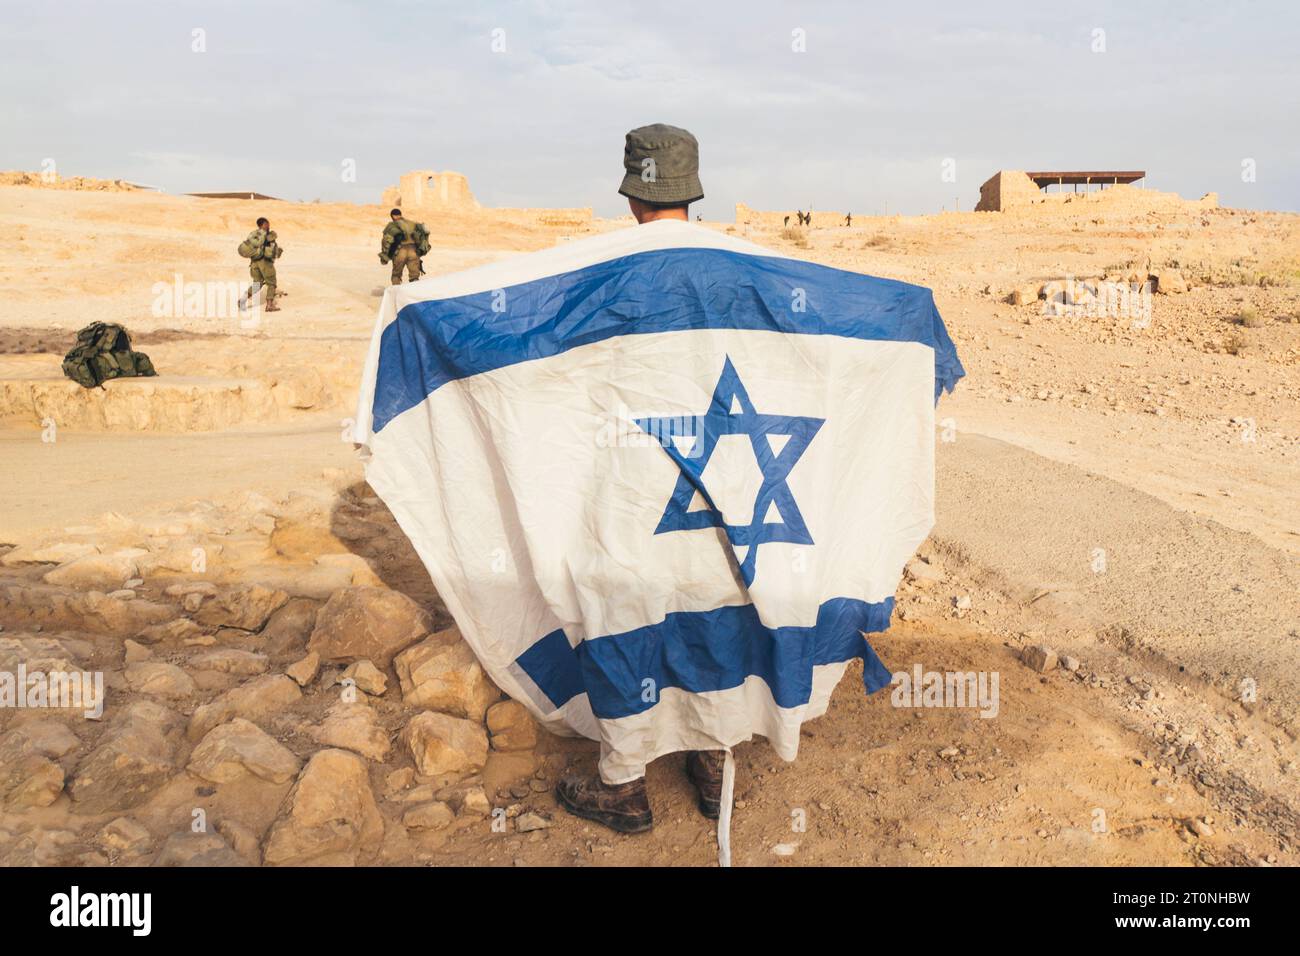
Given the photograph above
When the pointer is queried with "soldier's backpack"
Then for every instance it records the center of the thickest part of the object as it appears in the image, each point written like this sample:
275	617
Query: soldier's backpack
421	236
103	351
248	249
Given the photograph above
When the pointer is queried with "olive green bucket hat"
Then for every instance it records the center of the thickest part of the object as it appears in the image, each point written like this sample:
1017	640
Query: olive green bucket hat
663	166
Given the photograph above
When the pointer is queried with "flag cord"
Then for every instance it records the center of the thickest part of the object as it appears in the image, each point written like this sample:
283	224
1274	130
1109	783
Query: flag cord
724	810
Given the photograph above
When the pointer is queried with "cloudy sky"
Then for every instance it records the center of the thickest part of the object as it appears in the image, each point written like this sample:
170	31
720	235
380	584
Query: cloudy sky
834	105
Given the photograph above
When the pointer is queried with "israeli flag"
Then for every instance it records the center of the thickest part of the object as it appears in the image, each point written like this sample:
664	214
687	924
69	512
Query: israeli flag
664	479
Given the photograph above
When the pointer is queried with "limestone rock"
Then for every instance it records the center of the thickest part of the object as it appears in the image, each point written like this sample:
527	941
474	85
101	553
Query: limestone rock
159	679
369	623
443	744
49	738
1039	657
354	727
239	747
443	674
61	553
304	671
254	699
230	660
529	821
246	608
1170	281
100	572
399	780
357	568
133	652
467	800
124	836
177	631
367	677
511	726
197	849
95	611
202	588
924	575
242	840
331	814
428	816
134	758
1024	295
28	779
285	635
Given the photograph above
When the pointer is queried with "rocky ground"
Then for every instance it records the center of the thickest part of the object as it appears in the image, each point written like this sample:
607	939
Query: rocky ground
1116	542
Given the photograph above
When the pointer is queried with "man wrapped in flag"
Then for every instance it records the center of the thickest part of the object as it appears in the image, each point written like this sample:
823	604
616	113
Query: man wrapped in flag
665	480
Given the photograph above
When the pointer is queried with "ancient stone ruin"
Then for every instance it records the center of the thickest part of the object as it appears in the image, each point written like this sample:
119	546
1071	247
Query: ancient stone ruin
424	191
1012	190
427	189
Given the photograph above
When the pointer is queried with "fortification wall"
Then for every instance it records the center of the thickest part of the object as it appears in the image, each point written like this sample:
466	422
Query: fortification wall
427	189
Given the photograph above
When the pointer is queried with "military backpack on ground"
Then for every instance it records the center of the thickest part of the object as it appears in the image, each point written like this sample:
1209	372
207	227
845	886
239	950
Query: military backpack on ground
103	351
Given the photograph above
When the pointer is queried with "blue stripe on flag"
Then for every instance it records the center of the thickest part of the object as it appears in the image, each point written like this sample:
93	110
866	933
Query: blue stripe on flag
701	651
432	343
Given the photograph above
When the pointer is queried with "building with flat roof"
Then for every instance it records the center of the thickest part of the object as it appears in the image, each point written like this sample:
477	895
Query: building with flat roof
1011	189
1100	177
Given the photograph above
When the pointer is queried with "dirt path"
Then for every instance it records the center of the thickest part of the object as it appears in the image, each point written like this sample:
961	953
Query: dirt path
1055	778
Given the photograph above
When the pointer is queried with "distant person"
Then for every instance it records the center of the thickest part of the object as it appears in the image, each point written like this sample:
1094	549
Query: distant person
787	221
807	219
261	248
799	213
404	243
848	219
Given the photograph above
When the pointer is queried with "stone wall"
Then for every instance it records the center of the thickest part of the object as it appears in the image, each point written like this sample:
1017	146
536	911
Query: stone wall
427	189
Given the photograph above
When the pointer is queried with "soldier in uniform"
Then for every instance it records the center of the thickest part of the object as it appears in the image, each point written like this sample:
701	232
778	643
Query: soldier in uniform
398	245
266	249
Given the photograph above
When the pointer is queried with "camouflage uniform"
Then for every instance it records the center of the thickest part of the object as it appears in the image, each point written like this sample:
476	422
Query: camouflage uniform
262	266
399	245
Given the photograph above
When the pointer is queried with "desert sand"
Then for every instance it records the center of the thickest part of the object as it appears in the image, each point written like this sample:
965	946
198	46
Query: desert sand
1124	492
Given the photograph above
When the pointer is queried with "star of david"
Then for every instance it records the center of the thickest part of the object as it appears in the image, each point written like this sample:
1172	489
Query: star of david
778	442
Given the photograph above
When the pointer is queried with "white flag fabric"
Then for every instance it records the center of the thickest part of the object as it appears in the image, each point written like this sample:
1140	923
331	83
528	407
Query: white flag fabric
664	479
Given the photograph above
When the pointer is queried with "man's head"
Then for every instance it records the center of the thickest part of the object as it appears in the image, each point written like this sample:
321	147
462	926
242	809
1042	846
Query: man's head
395	214
264	224
662	172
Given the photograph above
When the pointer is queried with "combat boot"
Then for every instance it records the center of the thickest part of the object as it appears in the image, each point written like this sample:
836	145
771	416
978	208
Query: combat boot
624	807
704	769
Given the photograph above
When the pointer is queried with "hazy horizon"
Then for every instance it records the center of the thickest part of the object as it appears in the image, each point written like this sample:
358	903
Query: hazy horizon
531	100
